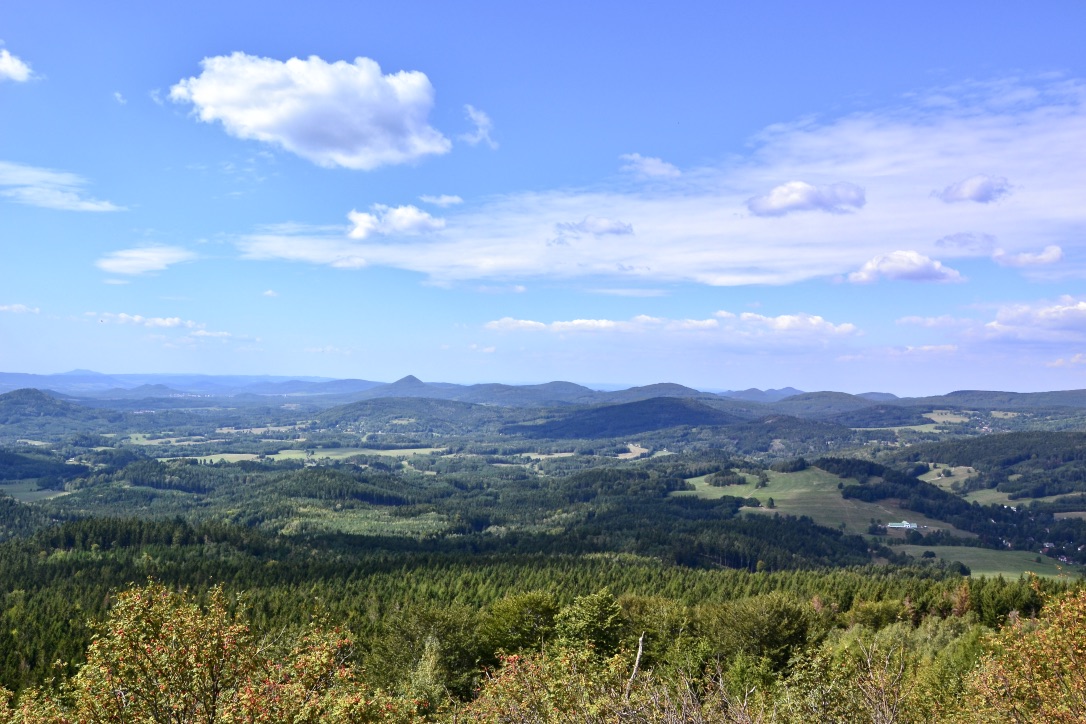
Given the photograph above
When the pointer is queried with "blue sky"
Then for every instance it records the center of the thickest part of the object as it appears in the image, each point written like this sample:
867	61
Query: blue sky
833	196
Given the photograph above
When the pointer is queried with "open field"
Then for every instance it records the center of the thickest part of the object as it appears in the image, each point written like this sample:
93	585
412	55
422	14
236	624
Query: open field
28	492
937	476
814	493
986	562
634	451
947	416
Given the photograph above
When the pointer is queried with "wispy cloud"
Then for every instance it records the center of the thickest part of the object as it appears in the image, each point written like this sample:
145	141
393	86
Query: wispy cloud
725	327
142	321
444	200
967	243
594	225
19	309
48	189
1050	255
942	321
980	189
648	166
143	259
483	127
333	114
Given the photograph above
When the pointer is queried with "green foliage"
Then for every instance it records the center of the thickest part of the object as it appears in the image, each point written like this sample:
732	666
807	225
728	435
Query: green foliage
519	622
592	621
162	657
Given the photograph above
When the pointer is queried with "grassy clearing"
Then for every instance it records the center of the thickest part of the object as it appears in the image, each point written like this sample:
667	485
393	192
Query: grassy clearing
633	451
991	496
959	474
985	562
28	492
946	416
813	492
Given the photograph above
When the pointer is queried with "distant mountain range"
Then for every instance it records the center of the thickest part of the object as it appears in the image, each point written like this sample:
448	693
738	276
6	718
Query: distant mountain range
186	390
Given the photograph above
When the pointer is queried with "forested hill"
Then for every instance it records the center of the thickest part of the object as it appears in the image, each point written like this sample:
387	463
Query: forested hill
627	419
25	404
1002	400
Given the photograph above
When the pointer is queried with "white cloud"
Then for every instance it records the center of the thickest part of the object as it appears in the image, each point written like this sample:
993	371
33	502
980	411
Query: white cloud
120	98
648	166
1061	320
393	221
508	324
737	328
19	309
836	198
444	200
790	323
942	321
1050	255
14	68
904	265
143	259
483	127
588	325
1074	361
212	335
333	114
48	189
698	228
980	188
142	321
270	293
